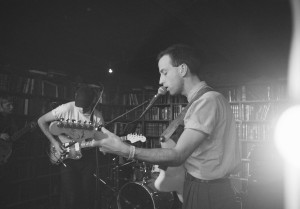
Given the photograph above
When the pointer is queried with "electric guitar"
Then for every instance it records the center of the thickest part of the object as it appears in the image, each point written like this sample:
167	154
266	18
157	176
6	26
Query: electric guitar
6	145
75	136
171	179
76	133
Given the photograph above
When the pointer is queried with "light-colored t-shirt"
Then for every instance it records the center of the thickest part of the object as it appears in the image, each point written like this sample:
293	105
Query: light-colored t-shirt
218	155
71	112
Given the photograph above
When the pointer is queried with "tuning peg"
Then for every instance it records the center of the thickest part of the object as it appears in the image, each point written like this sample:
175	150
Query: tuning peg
60	122
79	124
90	126
67	124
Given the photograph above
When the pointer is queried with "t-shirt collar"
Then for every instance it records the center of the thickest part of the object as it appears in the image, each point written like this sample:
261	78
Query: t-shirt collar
195	89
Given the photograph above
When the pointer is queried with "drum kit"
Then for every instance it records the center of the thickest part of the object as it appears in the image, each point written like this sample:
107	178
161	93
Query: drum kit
133	187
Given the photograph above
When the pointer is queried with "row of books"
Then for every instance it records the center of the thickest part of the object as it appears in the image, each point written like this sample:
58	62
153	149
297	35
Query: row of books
165	99
35	86
253	132
131	99
251	112
139	98
158	113
119	128
177	109
256	92
154	129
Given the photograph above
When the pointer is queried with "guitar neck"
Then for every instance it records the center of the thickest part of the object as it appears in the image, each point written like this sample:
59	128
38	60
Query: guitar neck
85	144
19	133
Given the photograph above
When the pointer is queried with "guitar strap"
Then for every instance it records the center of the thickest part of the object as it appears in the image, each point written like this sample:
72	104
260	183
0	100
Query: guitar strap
92	117
175	129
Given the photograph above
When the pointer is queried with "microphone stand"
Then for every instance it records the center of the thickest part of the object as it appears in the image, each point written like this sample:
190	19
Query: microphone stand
96	175
129	111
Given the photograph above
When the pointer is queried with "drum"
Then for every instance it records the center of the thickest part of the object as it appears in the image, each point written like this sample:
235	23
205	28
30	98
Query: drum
141	171
143	195
155	171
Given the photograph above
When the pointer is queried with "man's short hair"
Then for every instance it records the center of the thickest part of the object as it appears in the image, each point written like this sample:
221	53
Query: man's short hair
181	53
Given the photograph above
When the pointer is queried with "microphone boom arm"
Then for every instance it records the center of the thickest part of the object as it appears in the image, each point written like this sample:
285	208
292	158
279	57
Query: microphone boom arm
120	116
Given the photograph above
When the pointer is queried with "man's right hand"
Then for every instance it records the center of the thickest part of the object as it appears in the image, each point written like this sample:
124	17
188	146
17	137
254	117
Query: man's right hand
58	147
4	136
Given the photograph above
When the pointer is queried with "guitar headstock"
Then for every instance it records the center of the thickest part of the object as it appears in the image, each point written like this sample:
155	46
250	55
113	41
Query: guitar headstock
77	131
135	138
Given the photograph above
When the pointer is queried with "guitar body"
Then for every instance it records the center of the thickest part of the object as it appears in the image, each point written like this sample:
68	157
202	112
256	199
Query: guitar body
72	152
6	145
5	151
75	136
171	179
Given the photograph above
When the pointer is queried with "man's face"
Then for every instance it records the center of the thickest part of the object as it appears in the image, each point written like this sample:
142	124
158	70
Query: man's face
7	106
169	75
84	110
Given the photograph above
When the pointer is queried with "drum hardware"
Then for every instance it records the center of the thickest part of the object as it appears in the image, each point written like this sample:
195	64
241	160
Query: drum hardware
107	186
143	195
119	166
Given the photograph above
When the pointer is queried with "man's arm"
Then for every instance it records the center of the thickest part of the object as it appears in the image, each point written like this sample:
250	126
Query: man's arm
44	122
189	140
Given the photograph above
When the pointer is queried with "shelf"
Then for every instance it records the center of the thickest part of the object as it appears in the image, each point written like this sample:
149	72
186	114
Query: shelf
156	121
252	121
246	160
251	141
238	178
259	101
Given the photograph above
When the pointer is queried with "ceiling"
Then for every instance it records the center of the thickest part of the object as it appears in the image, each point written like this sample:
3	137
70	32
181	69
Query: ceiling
84	38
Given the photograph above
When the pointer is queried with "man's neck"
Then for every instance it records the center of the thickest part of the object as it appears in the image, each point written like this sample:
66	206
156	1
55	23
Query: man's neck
189	85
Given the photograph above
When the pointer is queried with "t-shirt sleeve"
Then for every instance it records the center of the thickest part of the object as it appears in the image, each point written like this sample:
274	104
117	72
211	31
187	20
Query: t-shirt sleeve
98	118
59	112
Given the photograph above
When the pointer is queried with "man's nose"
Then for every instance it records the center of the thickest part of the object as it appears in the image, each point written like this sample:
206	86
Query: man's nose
161	80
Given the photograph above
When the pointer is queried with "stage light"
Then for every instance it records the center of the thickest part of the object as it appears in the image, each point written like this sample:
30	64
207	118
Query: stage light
110	71
287	135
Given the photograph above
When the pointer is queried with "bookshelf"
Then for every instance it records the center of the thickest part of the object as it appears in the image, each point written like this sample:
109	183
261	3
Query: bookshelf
256	107
29	179
154	121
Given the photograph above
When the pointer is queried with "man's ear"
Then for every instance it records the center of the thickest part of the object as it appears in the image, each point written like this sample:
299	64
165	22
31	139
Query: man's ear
183	68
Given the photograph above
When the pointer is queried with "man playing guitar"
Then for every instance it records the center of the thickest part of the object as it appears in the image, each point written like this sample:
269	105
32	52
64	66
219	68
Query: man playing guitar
78	183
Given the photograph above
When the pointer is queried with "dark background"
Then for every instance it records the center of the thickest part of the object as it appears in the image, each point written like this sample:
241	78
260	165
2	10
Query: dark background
239	39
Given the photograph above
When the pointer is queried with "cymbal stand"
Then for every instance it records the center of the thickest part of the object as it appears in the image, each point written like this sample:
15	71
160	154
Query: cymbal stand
112	189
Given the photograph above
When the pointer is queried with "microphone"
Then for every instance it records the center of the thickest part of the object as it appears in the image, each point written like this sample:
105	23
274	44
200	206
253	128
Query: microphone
161	91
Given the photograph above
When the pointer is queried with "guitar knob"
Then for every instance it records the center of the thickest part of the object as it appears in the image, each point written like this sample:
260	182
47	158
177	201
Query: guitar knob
90	126
162	139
